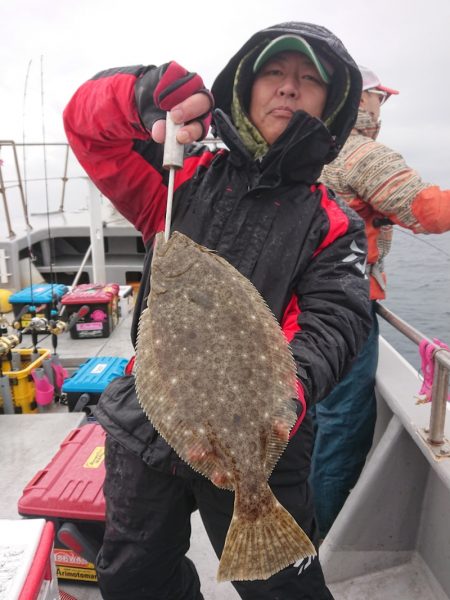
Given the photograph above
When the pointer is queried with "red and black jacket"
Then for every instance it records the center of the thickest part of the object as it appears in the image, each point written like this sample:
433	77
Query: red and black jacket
303	249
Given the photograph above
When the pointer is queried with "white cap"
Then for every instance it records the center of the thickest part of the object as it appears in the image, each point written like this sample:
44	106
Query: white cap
371	81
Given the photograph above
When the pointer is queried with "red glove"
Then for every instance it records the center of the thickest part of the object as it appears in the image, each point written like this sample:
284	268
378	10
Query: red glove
431	207
160	89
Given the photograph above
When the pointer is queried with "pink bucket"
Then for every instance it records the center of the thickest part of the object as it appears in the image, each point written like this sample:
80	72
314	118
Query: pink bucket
44	390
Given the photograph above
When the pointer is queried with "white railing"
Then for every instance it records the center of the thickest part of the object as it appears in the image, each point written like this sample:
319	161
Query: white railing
434	433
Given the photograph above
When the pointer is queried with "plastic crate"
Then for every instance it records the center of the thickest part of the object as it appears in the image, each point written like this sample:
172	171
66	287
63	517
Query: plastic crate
27	565
103	315
69	493
21	382
91	379
40	295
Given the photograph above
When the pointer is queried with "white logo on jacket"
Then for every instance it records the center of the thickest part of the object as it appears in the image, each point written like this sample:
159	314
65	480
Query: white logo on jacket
357	257
303	564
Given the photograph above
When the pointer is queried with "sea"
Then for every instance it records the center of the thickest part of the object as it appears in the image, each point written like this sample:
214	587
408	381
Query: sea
418	289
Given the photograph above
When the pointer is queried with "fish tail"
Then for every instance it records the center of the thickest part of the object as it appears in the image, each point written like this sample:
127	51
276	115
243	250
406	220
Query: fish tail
256	549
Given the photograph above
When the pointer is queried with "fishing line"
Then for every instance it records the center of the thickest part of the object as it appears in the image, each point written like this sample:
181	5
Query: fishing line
424	241
31	256
25	180
51	240
42	339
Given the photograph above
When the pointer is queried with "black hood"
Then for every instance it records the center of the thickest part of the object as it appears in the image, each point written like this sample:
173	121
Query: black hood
325	43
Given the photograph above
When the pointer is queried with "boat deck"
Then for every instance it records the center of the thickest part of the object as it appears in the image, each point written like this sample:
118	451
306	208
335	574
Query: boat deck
28	442
392	536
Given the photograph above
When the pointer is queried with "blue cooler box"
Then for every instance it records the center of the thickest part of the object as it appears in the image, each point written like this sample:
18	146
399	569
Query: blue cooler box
39	295
84	388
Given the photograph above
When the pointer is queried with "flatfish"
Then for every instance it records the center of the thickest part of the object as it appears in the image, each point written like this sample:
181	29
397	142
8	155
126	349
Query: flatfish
215	376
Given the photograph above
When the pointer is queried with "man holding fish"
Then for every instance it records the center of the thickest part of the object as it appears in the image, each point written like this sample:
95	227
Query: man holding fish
284	106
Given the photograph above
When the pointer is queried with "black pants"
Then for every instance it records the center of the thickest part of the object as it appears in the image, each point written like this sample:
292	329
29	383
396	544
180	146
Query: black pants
148	533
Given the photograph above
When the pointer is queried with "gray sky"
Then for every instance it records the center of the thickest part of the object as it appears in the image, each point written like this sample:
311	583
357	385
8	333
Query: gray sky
407	42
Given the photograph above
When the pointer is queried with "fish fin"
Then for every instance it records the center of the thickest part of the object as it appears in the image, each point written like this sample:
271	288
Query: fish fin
286	414
260	548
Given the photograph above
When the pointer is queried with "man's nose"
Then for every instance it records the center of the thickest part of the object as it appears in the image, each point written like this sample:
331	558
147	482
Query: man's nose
290	87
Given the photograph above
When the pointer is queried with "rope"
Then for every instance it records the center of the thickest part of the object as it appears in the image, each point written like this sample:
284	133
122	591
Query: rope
427	350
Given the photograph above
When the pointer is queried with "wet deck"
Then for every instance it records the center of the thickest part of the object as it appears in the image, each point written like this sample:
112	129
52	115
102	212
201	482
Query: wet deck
28	443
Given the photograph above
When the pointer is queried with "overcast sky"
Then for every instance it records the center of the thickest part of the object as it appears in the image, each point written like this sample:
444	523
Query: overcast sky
407	42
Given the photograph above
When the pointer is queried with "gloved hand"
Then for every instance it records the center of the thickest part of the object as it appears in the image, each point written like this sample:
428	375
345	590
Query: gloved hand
431	208
172	88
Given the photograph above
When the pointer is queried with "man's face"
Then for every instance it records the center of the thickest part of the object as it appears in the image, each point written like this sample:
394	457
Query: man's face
371	102
287	82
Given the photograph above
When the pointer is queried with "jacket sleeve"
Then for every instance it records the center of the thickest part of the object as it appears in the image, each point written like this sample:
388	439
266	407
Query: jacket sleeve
431	208
107	135
330	311
381	177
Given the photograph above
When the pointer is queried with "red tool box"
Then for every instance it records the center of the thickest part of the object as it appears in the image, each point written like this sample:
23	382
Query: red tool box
69	492
103	314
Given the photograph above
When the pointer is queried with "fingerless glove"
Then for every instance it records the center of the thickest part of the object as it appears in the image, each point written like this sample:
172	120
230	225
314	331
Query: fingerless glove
159	89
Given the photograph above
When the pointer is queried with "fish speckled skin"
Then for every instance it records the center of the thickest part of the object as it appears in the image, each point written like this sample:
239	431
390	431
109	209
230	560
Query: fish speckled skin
215	376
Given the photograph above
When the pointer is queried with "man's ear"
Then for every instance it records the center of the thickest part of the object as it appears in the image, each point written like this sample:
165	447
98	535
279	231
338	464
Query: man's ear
363	100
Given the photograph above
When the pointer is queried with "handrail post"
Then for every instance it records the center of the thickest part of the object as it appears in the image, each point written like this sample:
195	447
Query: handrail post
433	435
97	244
439	393
19	182
64	180
11	233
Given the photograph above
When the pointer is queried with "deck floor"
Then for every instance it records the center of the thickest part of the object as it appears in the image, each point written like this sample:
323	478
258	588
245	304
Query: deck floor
405	582
28	442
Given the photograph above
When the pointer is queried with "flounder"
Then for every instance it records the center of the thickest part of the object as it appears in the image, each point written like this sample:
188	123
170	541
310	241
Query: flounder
215	376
